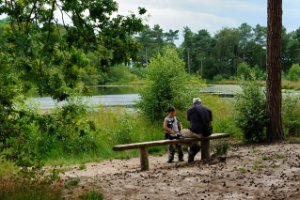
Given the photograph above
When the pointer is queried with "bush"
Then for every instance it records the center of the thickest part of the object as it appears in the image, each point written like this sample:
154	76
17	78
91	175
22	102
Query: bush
139	71
123	134
294	73
218	78
260	74
166	85
291	116
33	137
251	112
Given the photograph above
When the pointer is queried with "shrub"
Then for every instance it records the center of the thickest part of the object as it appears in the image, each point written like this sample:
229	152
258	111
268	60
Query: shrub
260	74
251	112
123	134
121	74
294	73
218	78
166	85
243	70
139	71
33	137
291	115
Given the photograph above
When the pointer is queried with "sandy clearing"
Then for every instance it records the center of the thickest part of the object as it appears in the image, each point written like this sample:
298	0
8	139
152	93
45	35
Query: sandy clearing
250	172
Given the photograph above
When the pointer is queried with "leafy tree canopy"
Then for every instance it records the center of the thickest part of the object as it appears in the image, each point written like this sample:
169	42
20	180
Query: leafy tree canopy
50	50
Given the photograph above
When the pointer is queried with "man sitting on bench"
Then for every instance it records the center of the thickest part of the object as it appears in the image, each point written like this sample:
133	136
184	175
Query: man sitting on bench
200	118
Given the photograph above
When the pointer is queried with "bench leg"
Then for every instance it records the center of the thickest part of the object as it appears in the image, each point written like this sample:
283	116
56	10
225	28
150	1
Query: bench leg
205	154
144	158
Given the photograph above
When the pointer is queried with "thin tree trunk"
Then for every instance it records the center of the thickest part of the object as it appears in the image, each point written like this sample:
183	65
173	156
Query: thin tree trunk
274	54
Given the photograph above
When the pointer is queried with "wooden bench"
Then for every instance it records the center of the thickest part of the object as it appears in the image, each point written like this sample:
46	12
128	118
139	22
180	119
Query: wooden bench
143	146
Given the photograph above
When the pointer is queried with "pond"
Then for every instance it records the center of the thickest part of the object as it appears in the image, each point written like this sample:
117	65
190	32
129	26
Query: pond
127	95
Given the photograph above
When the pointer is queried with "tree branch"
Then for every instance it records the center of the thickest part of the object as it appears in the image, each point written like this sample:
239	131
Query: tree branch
29	17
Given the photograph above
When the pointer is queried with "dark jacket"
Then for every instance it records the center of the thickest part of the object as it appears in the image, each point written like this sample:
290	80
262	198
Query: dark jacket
200	118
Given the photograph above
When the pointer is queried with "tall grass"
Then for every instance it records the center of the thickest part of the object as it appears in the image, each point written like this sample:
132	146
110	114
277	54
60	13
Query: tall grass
286	84
15	186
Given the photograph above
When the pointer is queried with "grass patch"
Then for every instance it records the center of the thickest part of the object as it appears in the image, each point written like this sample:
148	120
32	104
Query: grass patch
82	166
72	182
258	165
267	158
242	170
7	169
279	156
92	195
276	156
294	140
222	148
255	150
26	190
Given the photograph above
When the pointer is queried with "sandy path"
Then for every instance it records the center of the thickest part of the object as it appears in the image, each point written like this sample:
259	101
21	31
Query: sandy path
250	172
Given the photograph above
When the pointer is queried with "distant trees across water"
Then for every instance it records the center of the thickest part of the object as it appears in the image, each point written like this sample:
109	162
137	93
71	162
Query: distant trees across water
219	55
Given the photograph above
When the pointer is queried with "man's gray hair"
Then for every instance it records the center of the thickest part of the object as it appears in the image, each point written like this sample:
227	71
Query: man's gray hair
196	101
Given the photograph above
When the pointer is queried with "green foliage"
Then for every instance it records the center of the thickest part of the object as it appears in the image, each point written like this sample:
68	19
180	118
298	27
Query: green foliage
243	70
259	74
218	78
166	85
140	72
121	74
251	112
291	115
294	73
33	137
124	134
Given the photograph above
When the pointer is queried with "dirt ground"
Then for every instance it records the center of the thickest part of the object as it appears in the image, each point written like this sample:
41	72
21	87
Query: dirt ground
250	172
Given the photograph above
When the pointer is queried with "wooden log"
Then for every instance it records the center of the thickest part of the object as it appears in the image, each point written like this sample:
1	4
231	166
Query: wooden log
144	159
205	153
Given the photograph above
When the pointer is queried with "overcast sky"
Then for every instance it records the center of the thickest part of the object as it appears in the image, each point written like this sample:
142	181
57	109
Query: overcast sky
211	14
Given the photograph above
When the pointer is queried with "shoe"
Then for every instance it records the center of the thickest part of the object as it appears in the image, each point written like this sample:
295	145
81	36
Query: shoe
191	157
170	160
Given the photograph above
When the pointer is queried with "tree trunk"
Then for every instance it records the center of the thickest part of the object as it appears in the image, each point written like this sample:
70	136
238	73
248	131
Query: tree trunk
274	96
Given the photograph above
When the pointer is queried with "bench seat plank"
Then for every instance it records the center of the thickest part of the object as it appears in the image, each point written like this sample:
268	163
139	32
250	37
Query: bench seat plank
165	142
143	146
